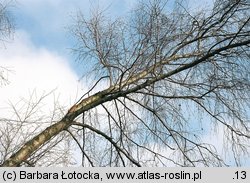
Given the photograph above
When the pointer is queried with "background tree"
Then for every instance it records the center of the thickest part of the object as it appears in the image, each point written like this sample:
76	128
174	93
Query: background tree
173	76
6	29
26	118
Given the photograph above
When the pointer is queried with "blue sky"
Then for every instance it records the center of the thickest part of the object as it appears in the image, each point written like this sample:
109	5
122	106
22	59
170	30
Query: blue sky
47	22
42	42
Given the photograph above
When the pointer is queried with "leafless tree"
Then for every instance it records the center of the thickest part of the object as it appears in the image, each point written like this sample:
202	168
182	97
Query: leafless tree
173	76
26	118
6	24
6	30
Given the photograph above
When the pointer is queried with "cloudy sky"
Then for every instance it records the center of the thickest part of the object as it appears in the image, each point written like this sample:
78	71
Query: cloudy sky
39	57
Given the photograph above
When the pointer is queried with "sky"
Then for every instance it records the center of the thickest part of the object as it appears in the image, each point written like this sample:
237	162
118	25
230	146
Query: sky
43	41
48	22
39	56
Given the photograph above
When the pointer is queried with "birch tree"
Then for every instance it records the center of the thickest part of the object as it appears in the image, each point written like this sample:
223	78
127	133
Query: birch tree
173	77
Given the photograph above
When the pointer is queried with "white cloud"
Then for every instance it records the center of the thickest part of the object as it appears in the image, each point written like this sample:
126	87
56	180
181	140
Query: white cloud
35	72
35	69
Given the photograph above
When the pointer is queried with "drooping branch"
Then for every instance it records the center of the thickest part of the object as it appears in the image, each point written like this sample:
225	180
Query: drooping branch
101	97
